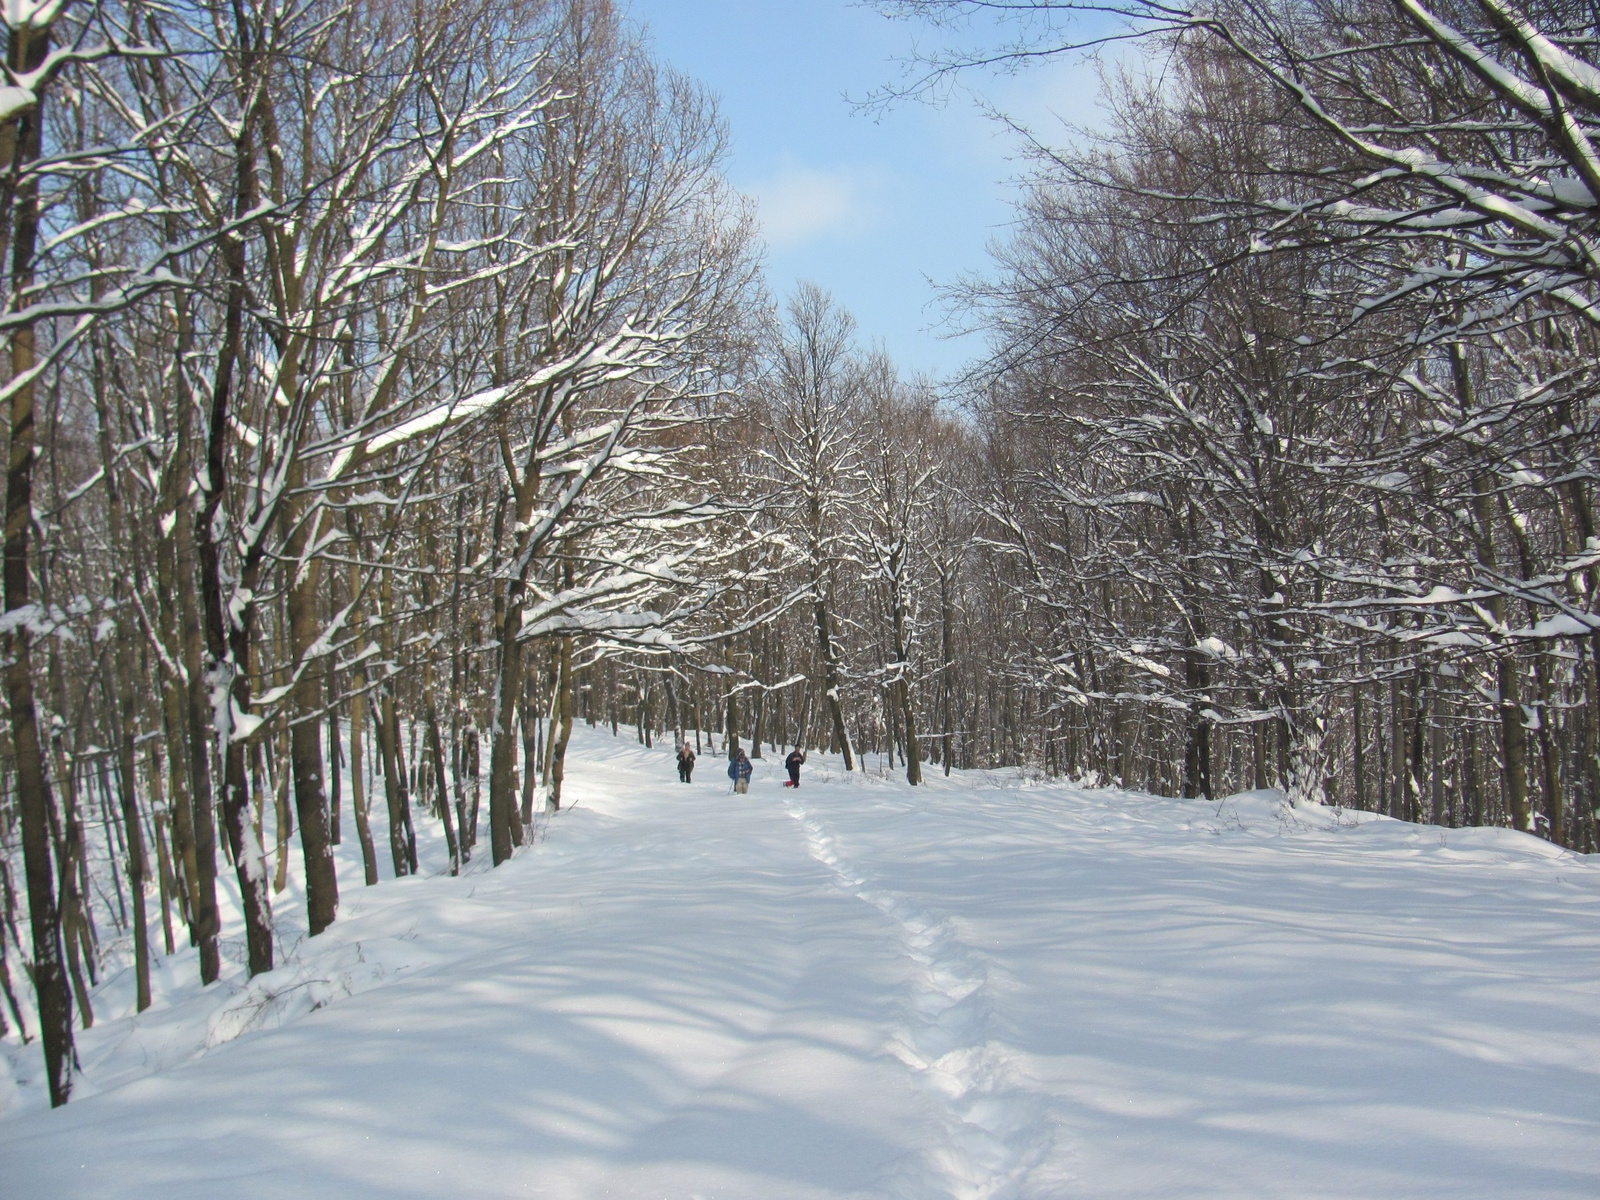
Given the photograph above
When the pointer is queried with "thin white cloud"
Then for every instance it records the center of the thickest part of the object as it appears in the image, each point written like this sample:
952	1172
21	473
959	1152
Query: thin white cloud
1053	101
800	203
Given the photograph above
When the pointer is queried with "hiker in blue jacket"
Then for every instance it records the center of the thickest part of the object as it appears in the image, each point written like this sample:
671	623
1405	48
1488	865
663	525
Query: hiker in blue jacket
739	770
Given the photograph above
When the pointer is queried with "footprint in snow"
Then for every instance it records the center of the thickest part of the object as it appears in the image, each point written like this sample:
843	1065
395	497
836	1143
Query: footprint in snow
995	1130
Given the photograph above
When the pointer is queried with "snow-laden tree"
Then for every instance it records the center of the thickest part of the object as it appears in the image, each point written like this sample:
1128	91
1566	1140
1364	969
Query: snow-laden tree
333	152
816	388
907	448
298	275
1339	316
58	290
597	338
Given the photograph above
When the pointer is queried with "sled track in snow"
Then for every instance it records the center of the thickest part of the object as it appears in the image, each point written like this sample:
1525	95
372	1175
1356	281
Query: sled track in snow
996	1129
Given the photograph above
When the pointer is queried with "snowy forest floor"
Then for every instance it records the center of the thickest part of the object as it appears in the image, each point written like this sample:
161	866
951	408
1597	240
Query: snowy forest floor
988	987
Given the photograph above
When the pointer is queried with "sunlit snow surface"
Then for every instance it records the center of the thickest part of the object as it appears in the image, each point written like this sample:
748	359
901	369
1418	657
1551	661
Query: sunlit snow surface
984	988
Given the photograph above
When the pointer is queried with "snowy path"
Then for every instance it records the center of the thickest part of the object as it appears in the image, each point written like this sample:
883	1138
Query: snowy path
992	1136
979	991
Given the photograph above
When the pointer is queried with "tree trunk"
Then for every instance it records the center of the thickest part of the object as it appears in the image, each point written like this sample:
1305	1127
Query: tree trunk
1589	746
186	700
358	778
72	860
402	847
1419	716
165	874
902	650
228	630
276	781
179	804
564	707
358	720
471	751
1549	756
503	818
1513	729
124	716
1513	732
194	718
947	656
387	730
530	721
25	53
435	746
133	834
436	750
335	762
1469	776
676	706
305	710
1358	740
1197	731
827	649
1436	797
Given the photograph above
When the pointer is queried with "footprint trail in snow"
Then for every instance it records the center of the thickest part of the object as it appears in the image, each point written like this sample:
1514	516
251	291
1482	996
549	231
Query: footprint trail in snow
996	1131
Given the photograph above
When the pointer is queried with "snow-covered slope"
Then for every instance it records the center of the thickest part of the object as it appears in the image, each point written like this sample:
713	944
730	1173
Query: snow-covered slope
979	989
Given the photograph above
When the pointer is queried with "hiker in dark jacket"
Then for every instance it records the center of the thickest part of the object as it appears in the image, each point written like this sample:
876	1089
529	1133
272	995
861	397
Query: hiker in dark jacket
739	770
792	765
685	762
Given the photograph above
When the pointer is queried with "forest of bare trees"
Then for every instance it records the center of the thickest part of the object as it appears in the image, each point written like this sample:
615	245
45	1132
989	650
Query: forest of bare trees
1291	411
387	394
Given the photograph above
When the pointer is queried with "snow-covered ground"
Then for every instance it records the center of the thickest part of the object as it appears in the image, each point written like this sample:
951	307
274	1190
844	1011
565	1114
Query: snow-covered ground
984	988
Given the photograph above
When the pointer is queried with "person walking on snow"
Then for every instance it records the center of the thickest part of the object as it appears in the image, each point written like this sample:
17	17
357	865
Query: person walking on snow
739	770
796	757
685	762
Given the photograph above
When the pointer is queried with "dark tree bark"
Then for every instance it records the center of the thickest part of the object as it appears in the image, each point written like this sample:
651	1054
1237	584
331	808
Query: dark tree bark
305	736
387	730
828	651
127	787
358	779
504	826
436	752
902	649
335	762
563	735
25	52
229	633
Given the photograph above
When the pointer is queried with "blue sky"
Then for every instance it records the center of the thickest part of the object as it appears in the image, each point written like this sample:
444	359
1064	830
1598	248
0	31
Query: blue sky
878	211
